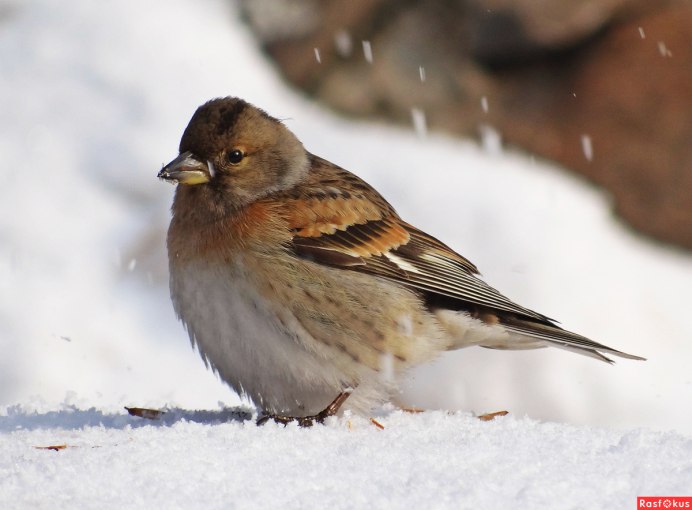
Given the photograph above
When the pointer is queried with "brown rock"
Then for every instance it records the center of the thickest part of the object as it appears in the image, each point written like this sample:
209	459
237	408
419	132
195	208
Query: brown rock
512	31
632	98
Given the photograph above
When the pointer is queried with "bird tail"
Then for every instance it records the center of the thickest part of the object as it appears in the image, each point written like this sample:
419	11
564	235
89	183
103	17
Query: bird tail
494	330
528	334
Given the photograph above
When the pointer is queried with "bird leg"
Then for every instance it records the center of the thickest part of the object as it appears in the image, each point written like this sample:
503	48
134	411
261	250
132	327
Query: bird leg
308	421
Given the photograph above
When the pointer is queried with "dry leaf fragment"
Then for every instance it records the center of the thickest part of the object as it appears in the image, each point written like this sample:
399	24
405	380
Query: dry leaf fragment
55	448
148	414
376	423
492	416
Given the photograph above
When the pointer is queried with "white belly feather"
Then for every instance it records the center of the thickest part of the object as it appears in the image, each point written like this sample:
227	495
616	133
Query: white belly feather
246	340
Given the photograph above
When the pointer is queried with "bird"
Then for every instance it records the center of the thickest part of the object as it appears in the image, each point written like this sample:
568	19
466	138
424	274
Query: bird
302	287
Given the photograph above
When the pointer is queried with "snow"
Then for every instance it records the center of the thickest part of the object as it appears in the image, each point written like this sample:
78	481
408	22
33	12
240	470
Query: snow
94	99
429	460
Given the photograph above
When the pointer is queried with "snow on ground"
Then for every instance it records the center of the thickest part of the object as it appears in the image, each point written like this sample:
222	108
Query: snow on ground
94	98
430	460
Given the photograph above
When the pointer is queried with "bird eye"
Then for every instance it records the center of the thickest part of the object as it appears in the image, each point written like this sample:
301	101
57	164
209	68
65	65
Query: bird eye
235	156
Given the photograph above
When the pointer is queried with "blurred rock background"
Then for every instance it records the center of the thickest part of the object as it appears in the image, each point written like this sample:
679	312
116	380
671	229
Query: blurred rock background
603	87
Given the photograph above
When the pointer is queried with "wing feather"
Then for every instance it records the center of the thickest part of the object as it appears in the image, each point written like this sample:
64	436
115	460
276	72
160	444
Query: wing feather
340	221
354	220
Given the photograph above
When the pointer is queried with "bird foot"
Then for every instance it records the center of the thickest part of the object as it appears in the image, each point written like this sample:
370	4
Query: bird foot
308	421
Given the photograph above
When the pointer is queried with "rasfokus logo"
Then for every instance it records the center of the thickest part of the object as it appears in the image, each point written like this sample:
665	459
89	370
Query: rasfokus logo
664	502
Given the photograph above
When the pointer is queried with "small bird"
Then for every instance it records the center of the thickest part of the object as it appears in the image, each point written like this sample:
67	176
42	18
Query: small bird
303	288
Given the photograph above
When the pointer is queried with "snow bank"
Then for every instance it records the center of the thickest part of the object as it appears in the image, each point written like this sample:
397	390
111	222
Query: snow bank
430	460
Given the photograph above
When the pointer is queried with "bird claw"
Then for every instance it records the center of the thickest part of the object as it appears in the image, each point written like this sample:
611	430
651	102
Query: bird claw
308	421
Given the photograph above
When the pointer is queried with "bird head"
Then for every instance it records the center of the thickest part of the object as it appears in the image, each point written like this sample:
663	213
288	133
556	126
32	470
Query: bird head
235	151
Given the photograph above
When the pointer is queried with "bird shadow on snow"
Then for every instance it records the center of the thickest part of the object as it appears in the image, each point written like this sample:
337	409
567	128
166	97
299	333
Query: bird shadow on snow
74	419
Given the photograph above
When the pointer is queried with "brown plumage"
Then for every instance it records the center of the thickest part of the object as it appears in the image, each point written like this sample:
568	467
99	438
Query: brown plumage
298	281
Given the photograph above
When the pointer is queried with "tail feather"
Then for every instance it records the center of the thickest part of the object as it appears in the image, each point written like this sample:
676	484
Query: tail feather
504	331
557	337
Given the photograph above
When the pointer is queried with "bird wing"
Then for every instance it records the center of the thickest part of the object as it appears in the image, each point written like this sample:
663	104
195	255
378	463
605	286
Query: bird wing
391	249
340	221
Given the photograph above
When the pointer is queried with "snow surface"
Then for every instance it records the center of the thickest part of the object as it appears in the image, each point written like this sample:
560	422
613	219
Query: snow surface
429	460
94	97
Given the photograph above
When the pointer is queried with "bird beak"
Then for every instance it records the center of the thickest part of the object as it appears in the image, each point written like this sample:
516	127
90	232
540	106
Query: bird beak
185	169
